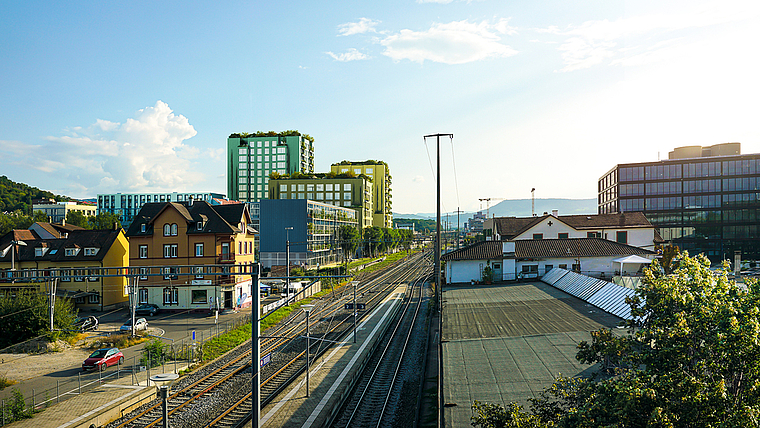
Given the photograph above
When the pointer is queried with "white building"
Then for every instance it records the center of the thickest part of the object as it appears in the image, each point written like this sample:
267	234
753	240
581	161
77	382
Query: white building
529	258
624	228
57	211
127	205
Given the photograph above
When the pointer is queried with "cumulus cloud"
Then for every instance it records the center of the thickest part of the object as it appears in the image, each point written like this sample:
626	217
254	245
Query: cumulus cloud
351	55
456	42
147	152
365	25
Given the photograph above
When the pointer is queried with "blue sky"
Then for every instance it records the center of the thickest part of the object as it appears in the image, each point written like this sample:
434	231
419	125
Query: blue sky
140	96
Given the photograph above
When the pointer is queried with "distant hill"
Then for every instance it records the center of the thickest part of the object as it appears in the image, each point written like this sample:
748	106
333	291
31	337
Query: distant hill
18	196
519	208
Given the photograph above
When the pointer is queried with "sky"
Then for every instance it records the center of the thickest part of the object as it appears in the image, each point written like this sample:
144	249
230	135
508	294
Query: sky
140	96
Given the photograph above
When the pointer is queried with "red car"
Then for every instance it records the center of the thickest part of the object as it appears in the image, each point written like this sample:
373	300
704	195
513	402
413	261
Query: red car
103	358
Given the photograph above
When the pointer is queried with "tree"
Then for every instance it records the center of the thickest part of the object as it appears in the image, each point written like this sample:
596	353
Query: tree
26	315
691	357
40	216
77	219
103	221
349	240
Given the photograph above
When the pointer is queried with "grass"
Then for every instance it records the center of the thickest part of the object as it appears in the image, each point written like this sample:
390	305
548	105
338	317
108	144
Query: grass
120	341
5	382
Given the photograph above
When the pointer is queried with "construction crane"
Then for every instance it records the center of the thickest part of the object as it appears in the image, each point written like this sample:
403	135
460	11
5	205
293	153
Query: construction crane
488	204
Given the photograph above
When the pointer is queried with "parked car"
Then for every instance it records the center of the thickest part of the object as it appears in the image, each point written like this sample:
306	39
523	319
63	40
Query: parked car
102	359
85	323
147	309
140	324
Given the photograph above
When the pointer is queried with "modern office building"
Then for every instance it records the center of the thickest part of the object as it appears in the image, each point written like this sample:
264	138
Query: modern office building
703	199
57	211
127	205
251	158
355	193
380	175
314	237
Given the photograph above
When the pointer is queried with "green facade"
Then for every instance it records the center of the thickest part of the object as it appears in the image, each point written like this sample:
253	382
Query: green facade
250	161
380	175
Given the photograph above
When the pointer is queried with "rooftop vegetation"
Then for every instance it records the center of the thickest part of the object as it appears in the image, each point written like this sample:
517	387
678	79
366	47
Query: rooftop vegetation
288	133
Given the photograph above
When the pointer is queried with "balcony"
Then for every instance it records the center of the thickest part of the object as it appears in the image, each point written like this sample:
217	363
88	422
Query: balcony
226	258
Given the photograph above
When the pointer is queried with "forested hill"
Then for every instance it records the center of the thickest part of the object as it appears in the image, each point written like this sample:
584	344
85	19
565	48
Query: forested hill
18	196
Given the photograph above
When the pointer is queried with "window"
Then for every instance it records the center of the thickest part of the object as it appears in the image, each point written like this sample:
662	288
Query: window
170	251
171	296
593	234
169	272
142	295
143	273
346	186
347	196
576	267
548	268
538	236
199	225
90	251
70	252
198	272
38	252
563	266
530	269
143	251
167	229
329	187
174	229
93	299
562	236
199	250
199	296
621	236
142	228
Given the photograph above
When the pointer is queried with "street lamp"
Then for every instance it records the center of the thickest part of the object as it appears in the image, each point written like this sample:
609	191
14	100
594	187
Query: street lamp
307	309
164	382
287	262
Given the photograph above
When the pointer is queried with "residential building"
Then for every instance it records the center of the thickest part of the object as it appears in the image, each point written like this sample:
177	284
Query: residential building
355	193
314	237
127	205
57	211
380	176
77	255
195	236
625	228
529	258
251	160
702	199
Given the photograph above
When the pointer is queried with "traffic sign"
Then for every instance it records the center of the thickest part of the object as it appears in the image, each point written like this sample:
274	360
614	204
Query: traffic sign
359	306
266	359
193	335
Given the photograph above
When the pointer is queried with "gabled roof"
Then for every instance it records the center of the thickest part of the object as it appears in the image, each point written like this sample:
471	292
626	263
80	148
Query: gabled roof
221	219
509	227
546	248
574	247
100	239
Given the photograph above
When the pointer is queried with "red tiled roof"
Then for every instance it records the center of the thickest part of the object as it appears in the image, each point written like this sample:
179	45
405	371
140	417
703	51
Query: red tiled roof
509	227
484	250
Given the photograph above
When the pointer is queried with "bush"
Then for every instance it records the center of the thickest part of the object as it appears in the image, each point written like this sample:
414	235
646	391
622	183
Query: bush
17	406
155	353
5	382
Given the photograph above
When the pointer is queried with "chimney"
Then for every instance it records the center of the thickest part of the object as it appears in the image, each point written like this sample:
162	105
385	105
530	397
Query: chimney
190	201
115	225
63	222
555	213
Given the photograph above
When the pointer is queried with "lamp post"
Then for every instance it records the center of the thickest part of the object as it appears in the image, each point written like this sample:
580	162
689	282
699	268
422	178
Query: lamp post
164	382
13	255
307	309
354	283
287	262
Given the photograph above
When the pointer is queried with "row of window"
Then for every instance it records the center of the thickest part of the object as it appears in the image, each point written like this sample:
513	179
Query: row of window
328	187
691	186
689	202
685	170
621	236
263	166
264	158
260	144
710	232
171	250
748	215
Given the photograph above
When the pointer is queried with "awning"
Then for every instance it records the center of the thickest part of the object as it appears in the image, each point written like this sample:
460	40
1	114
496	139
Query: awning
632	259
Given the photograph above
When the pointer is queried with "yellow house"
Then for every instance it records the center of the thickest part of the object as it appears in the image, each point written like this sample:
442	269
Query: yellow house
200	239
76	258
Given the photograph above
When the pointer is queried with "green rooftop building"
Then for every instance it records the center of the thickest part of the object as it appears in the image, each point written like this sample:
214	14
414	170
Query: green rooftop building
380	175
251	158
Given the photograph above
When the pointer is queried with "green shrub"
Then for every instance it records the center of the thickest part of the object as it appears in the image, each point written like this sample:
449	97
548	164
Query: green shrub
155	353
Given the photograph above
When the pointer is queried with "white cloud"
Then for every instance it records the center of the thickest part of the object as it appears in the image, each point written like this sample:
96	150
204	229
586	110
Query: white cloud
351	55
364	25
456	42
146	153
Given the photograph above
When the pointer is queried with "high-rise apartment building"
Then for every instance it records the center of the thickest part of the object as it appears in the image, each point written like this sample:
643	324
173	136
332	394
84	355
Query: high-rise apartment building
703	199
251	158
380	175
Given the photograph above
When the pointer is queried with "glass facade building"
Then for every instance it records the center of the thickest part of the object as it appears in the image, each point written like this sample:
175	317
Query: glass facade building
705	204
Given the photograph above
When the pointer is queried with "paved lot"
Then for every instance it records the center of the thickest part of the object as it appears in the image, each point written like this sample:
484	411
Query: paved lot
507	342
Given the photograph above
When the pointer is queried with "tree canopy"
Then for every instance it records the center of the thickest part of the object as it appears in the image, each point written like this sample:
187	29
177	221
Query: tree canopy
691	358
18	196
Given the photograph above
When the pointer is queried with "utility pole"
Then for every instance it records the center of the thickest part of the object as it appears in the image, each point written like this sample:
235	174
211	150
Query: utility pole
458	211
256	347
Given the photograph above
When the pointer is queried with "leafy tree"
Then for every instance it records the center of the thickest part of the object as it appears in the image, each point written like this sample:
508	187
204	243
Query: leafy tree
691	358
103	221
154	353
26	316
77	219
40	216
349	241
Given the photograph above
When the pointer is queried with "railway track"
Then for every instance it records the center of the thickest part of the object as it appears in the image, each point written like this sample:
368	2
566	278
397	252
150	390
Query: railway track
377	397
198	398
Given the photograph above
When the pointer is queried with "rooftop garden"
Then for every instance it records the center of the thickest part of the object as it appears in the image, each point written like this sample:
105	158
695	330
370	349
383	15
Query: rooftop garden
288	133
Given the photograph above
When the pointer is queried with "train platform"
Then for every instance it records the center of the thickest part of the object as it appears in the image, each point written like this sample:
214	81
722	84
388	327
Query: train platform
331	375
507	342
95	407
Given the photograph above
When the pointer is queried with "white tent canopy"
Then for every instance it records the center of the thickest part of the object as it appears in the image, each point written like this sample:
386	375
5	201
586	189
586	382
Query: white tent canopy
632	259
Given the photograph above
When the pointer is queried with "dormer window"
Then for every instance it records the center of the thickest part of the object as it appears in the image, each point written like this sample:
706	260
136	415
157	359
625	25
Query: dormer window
199	225
40	251
142	228
71	252
90	251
